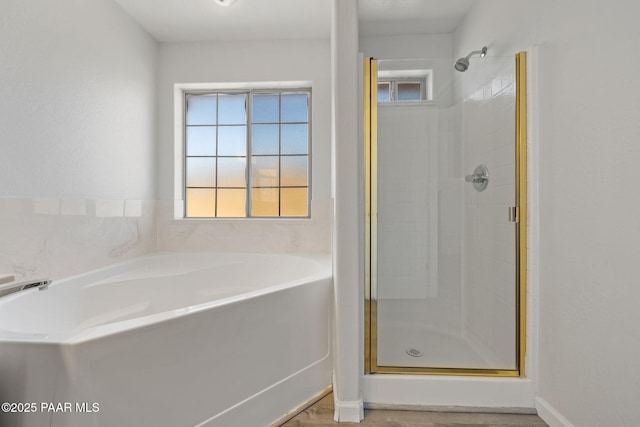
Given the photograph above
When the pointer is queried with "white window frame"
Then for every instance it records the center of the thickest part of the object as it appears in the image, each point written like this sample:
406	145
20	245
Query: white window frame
179	158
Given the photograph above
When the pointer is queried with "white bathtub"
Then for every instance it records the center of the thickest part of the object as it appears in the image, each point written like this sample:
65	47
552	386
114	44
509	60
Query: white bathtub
169	340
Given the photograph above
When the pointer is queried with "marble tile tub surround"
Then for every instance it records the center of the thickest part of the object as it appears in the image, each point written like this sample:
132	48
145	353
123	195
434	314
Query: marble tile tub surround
247	235
56	238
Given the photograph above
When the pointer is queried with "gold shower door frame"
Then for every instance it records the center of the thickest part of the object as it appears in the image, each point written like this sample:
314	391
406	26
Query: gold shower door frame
371	229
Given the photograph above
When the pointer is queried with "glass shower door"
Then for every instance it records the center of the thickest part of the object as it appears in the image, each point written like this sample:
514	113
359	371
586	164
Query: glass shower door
444	266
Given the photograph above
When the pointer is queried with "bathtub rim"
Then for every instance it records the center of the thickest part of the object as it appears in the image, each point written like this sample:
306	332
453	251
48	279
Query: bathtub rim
75	337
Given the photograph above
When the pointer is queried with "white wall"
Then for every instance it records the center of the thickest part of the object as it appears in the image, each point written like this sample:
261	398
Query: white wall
588	137
77	134
238	62
347	192
77	101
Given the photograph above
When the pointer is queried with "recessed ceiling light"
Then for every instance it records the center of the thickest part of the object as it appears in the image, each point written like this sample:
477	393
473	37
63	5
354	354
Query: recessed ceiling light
225	2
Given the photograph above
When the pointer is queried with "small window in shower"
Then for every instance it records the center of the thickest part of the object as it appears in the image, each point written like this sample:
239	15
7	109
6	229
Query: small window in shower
384	91
409	91
404	86
247	153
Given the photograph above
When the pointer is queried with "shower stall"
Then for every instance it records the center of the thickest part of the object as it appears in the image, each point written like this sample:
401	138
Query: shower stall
445	204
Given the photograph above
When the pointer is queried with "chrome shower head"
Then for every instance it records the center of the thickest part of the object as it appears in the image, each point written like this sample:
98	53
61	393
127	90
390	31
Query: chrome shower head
462	64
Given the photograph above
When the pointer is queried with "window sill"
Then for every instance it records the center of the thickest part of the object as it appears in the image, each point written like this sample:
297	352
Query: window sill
280	221
407	104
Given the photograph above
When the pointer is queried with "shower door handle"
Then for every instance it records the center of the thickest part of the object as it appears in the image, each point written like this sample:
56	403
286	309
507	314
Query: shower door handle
514	214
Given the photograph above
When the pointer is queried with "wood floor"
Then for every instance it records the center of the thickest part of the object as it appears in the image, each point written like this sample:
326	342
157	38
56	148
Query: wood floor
321	414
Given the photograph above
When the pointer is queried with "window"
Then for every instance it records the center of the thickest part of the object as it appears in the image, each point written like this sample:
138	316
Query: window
404	85
247	154
401	90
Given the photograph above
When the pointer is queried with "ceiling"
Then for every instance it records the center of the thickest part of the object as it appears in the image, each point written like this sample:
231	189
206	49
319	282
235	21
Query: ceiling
204	20
389	17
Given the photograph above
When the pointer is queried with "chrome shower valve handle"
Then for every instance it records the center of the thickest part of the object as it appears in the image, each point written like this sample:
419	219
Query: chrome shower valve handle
480	178
476	178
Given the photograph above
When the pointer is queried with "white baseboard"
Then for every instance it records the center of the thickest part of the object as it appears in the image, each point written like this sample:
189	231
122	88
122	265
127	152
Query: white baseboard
348	412
550	415
441	390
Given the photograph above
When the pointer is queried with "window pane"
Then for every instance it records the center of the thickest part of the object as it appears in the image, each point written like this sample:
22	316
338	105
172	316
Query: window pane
201	141
384	92
201	202
232	203
294	171
232	109
201	172
294	202
266	108
264	201
408	91
231	172
201	109
295	107
264	170
264	139
232	140
295	139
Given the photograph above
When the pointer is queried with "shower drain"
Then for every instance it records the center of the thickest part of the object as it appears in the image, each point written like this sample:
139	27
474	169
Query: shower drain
414	352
